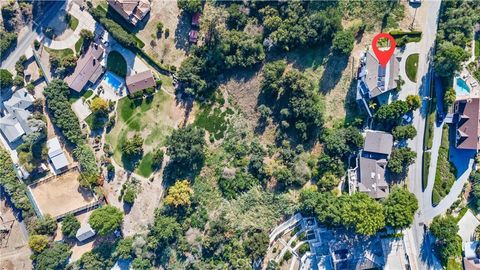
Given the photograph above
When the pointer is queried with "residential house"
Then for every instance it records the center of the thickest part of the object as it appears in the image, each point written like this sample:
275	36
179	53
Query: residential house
88	70
14	121
376	82
140	81
56	156
132	11
465	120
372	164
471	260
85	232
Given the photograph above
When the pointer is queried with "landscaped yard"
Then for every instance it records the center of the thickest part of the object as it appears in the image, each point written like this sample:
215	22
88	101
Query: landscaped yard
153	120
411	67
72	22
117	64
78	45
446	172
214	121
60	53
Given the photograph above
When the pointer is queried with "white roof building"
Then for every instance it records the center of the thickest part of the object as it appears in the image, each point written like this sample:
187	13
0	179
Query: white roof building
84	232
14	123
56	155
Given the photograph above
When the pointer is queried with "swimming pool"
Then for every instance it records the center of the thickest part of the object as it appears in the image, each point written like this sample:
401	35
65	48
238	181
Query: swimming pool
461	87
112	80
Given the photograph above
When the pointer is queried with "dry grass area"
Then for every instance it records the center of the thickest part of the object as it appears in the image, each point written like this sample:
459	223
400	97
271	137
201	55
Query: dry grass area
14	251
171	49
61	195
142	212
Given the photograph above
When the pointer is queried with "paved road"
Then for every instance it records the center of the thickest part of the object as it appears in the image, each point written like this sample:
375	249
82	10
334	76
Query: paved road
28	35
421	248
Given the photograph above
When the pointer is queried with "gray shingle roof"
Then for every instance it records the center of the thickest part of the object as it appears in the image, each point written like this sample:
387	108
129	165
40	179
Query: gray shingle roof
372	177
378	142
14	124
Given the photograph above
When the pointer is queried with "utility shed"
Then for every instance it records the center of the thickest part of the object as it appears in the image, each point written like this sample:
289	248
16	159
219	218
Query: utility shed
85	232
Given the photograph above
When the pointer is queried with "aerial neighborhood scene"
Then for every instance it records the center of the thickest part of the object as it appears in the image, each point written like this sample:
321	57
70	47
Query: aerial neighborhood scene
194	134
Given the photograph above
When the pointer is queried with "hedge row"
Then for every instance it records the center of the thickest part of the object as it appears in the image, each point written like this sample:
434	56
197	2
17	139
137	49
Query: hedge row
126	39
7	40
15	189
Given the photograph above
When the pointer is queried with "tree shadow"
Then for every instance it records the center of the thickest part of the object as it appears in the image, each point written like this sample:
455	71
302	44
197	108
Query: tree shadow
181	32
332	74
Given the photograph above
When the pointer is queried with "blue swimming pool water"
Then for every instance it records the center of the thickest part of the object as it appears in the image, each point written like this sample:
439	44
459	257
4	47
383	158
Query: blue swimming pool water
112	80
461	87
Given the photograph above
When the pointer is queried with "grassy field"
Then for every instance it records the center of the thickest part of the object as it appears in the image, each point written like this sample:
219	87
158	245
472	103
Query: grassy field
411	67
60	53
117	64
446	173
154	120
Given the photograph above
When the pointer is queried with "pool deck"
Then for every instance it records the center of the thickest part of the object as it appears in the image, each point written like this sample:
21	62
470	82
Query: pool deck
106	91
472	83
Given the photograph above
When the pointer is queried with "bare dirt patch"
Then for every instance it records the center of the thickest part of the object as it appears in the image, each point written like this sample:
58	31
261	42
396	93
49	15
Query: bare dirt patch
168	49
14	251
61	194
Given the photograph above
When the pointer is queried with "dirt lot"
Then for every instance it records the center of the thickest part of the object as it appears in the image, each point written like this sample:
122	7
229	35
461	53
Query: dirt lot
170	50
138	216
61	195
14	251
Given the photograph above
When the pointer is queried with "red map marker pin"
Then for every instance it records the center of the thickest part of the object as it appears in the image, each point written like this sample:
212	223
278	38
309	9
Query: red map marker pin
383	56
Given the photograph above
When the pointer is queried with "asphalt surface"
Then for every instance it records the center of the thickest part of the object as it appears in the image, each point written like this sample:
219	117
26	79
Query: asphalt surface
29	33
421	248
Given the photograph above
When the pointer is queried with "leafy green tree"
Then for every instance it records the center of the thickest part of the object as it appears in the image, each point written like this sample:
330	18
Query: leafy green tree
38	243
241	50
124	248
186	148
256	245
164	231
106	219
157	159
237	19
400	159
99	105
404	132
70	225
330	164
272	74
448	59
129	195
56	94
54	257
133	146
328	182
339	142
444	228
413	102
86	159
391	112
6	78
343	42
87	36
400	206
450	97
365	214
141	264
45	225
241	182
190	6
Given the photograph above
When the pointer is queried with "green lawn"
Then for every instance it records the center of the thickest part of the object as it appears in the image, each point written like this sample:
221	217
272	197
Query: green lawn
145	167
153	120
72	22
78	45
117	64
411	67
446	172
89	120
60	53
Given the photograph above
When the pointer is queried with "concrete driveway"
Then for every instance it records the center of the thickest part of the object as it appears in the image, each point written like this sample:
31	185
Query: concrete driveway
81	109
409	88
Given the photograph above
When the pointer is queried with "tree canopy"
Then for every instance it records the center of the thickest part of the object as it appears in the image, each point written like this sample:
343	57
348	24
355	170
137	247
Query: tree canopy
6	78
343	42
54	257
106	219
400	159
179	194
186	148
70	225
400	206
